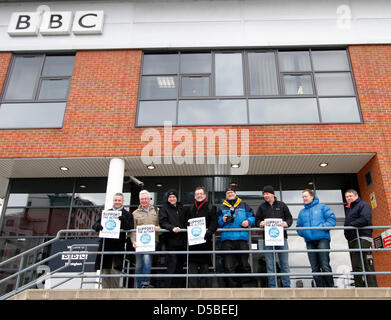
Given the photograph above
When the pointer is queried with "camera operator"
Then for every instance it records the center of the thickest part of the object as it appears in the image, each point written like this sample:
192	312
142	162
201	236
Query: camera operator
235	213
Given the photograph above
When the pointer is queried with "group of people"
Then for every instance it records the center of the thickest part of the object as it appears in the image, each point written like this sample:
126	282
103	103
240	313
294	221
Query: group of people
234	213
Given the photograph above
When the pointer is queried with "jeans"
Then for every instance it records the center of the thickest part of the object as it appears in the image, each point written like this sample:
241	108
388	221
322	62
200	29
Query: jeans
143	266
355	258
271	263
320	262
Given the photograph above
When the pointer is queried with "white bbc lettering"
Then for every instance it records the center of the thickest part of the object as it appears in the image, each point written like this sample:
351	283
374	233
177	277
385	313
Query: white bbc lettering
56	23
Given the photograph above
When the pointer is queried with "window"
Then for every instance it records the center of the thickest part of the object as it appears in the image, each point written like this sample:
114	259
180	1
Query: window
36	91
247	87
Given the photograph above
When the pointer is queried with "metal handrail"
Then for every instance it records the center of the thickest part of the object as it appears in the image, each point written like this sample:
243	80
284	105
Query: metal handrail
52	274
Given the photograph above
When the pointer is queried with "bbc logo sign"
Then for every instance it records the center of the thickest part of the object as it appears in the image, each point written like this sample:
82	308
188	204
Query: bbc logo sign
56	23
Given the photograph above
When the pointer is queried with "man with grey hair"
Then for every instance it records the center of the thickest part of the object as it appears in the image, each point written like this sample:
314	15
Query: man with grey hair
112	263
143	215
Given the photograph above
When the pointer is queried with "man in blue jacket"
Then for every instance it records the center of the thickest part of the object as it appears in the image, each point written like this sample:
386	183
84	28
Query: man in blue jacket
235	213
358	214
317	214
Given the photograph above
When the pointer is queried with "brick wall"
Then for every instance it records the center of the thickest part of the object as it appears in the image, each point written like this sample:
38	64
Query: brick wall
101	112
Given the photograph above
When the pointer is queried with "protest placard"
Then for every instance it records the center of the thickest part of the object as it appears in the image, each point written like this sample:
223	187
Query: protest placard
196	231
145	238
111	224
274	232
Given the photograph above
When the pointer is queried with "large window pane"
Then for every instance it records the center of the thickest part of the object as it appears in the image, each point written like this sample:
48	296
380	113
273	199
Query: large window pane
195	86
39	199
333	84
262	73
283	111
196	63
24	77
212	112
160	64
294	61
58	66
229	74
156	112
332	60
300	84
32	115
34	221
159	87
55	89
339	110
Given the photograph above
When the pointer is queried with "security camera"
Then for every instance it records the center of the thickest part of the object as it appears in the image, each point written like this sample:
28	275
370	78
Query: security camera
136	181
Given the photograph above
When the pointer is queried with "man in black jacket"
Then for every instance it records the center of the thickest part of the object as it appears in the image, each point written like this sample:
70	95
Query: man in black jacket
199	263
358	214
172	218
112	264
274	209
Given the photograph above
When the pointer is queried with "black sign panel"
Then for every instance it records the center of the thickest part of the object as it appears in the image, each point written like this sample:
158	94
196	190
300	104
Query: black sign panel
74	255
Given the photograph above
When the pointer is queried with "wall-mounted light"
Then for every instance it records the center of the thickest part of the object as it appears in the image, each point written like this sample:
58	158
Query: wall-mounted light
63	168
83	186
235	165
159	185
323	164
151	166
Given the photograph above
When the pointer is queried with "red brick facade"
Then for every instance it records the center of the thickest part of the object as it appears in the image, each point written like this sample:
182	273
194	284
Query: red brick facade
101	113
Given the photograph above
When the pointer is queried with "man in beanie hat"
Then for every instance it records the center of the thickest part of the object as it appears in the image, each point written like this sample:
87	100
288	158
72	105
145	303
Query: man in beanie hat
274	209
235	213
172	218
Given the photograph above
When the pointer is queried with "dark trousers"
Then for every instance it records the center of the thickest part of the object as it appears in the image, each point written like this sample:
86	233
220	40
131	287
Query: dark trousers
236	263
355	258
320	262
175	263
198	267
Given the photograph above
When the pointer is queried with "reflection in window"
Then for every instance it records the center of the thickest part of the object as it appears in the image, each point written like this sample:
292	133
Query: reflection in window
201	111
294	61
334	110
229	74
154	113
195	86
264	111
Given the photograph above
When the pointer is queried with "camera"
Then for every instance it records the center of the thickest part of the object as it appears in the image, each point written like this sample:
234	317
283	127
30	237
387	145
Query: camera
231	217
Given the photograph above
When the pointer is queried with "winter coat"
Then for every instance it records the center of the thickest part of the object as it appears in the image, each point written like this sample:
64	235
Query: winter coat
143	218
127	223
278	210
315	214
209	212
242	212
358	214
170	217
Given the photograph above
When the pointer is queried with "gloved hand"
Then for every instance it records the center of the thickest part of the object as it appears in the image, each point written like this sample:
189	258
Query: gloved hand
97	227
208	235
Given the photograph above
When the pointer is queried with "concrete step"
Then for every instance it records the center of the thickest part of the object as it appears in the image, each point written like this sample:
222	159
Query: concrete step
207	294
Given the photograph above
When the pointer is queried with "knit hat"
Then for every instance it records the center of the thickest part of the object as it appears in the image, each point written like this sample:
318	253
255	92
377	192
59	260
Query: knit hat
230	189
172	192
268	189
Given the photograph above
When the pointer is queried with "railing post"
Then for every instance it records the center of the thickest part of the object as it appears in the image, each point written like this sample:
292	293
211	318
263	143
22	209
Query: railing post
361	258
19	272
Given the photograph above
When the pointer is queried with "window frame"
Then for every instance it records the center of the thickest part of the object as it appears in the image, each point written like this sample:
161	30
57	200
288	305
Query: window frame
247	85
38	81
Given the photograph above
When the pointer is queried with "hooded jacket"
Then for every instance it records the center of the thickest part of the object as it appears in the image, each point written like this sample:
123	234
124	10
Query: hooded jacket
315	214
242	212
358	214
